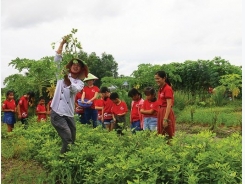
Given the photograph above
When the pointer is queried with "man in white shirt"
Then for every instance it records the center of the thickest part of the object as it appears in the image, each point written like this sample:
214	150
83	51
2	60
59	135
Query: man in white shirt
63	103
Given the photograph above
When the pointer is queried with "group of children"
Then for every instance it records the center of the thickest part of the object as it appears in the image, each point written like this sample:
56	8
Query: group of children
10	109
109	111
106	110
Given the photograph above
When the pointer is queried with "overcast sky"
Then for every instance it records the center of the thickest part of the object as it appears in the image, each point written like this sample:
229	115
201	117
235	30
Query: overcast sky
133	31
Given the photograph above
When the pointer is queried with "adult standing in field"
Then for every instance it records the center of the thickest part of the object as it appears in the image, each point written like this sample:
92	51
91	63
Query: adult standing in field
22	108
90	93
63	103
9	110
165	115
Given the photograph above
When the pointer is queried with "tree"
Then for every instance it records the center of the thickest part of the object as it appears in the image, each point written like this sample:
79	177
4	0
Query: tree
105	66
233	82
146	72
38	75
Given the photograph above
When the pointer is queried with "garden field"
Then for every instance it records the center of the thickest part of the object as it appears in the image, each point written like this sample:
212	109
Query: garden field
209	152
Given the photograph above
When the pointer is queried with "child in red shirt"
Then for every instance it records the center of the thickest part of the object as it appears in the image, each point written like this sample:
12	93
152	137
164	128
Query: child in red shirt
106	111
99	103
119	110
22	107
48	107
135	115
41	110
9	110
149	109
78	109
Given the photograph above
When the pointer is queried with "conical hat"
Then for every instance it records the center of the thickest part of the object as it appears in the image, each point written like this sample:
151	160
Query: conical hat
90	77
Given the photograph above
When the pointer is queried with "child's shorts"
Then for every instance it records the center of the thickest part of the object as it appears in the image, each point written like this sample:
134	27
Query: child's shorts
108	121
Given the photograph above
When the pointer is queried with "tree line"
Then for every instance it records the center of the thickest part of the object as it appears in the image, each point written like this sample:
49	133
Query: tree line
190	76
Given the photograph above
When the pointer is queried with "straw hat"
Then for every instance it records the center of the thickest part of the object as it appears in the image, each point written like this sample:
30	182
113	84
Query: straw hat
84	68
90	77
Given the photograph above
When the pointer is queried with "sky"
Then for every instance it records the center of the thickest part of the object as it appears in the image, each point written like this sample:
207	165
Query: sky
132	31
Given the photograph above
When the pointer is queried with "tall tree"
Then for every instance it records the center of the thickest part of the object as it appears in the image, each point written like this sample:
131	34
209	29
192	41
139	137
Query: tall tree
106	66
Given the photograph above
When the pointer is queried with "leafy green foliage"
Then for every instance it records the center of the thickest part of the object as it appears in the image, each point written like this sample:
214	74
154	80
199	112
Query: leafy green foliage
233	82
104	66
99	156
38	75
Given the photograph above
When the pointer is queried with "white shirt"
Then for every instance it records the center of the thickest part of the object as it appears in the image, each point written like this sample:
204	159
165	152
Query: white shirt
63	102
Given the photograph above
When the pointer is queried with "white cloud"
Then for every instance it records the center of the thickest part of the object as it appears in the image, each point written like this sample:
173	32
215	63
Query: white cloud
134	32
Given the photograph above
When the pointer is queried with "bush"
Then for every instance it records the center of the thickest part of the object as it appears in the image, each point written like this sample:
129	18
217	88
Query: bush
99	156
181	100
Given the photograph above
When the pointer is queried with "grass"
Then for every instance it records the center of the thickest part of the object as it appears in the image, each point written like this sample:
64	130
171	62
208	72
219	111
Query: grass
19	171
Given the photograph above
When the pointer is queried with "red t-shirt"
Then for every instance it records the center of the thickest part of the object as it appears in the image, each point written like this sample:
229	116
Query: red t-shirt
79	109
119	108
99	103
148	105
135	110
41	108
78	96
49	103
165	93
89	93
9	104
23	104
107	108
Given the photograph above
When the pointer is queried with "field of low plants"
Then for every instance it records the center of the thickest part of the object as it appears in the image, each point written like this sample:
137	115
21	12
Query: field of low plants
98	156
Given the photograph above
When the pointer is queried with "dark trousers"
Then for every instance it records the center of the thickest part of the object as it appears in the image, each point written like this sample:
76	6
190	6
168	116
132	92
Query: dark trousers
91	114
24	122
119	128
66	129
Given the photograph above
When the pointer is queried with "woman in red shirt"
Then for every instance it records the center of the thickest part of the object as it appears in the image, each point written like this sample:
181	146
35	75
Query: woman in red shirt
90	93
165	115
